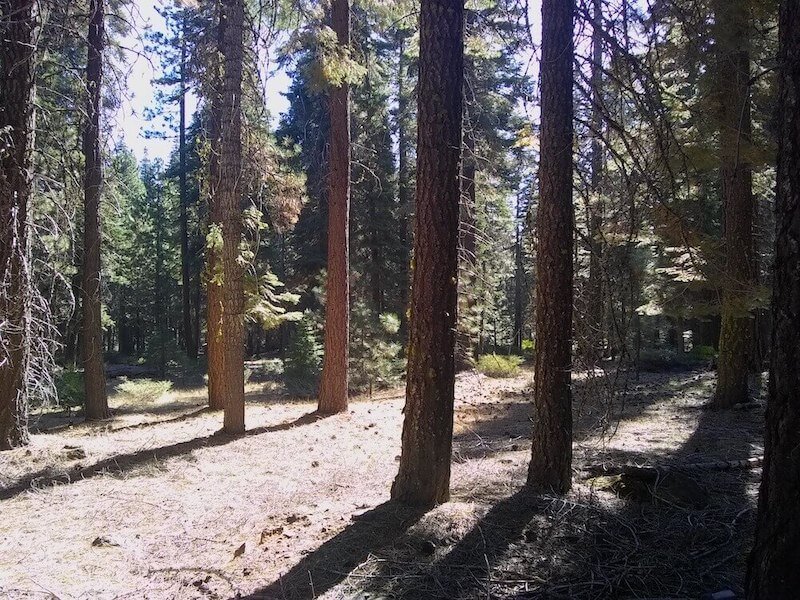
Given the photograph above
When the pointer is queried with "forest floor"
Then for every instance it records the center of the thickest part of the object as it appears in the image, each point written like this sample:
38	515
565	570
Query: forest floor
155	503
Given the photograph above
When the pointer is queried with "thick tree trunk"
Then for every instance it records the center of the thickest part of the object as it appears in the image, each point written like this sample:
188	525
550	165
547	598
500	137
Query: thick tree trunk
551	460
732	80
214	341
189	339
333	384
94	376
229	194
773	572
424	475
20	29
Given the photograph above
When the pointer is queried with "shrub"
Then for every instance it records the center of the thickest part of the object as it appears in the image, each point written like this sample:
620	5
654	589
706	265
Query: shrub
528	347
303	361
69	387
496	365
374	351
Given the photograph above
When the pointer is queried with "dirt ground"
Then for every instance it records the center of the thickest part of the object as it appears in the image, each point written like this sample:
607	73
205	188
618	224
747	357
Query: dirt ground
156	504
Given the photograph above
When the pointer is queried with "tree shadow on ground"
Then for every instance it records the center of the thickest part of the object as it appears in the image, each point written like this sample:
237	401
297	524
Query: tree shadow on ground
589	544
125	463
333	561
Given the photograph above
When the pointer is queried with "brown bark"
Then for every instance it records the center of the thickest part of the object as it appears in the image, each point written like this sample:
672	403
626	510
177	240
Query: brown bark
333	383
773	572
18	114
732	80
424	475
214	344
551	459
229	198
94	376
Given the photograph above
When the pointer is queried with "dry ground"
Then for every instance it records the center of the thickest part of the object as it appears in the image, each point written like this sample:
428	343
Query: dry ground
154	503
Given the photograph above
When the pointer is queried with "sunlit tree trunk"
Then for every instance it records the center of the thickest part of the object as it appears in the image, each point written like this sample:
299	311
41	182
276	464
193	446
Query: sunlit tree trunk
19	28
94	375
424	475
334	380
229	192
773	572
551	460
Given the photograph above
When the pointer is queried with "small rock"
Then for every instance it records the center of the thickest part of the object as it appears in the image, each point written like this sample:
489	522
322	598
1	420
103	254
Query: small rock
315	463
240	550
103	542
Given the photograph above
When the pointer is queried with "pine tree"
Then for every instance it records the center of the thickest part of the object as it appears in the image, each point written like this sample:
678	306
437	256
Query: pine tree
772	571
424	475
94	376
551	461
19	24
333	385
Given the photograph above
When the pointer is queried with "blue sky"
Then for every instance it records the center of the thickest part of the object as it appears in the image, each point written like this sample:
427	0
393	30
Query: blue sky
130	123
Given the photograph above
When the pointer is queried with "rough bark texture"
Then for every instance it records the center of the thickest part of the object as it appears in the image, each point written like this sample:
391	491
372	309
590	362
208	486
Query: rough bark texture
214	346
229	198
333	383
18	114
551	460
424	475
94	375
733	74
773	571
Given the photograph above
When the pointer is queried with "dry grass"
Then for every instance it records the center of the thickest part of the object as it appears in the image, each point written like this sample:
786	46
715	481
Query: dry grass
297	507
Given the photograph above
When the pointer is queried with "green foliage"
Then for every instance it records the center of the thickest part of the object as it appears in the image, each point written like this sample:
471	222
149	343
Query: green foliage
303	362
374	350
69	388
528	349
496	365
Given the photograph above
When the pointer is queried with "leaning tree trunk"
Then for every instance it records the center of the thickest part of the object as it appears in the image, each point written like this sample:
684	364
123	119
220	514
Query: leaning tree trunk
333	383
551	460
424	475
773	571
465	336
404	181
229	193
20	28
94	374
733	81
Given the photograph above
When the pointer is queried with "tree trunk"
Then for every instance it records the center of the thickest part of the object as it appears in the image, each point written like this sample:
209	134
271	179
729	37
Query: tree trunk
94	375
333	384
773	572
733	75
551	460
189	340
20	31
424	475
214	341
229	194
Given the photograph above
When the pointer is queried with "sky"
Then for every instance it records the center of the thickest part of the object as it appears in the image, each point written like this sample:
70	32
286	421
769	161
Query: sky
130	123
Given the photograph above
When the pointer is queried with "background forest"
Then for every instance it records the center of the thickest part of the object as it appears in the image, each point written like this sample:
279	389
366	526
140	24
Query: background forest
574	216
